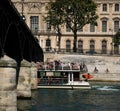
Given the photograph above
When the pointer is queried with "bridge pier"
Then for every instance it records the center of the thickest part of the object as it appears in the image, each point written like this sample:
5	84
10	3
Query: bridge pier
33	76
8	97
27	79
24	81
8	91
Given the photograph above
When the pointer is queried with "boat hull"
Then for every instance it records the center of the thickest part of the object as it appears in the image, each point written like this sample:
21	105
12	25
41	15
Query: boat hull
76	85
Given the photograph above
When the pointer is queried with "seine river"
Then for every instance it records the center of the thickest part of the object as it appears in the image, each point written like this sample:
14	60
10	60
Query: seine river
102	97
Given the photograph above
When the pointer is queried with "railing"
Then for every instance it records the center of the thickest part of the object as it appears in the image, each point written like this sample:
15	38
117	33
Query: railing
83	51
44	32
52	31
62	69
52	80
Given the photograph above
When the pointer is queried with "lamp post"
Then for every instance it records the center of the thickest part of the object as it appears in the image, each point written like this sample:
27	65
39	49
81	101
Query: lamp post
111	30
22	10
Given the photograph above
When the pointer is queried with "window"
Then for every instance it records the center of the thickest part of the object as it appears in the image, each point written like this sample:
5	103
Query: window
48	44
68	45
104	47
104	8
48	26
80	46
116	7
92	45
116	26
34	23
104	26
92	27
116	49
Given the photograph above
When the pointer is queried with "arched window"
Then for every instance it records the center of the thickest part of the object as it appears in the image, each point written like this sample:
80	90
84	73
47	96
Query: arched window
92	45
80	46
104	24
48	44
68	45
116	49
116	23
116	7
104	47
116	26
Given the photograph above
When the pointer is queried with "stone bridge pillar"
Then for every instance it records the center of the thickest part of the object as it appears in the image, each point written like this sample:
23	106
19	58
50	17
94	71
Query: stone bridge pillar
8	97
33	76
24	82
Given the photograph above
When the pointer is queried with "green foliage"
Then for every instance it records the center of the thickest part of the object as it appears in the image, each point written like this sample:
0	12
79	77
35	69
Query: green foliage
74	13
78	13
54	14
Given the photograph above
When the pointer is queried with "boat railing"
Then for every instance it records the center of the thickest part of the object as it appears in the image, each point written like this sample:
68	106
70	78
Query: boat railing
52	66
52	81
62	69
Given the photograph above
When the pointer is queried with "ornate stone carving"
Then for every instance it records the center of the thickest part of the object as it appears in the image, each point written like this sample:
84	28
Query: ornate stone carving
34	6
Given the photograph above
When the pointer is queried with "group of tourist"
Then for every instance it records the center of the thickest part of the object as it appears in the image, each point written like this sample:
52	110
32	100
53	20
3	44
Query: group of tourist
59	65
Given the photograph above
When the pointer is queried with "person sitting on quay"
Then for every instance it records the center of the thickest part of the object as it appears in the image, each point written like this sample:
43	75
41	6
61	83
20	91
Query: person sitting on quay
95	70
107	70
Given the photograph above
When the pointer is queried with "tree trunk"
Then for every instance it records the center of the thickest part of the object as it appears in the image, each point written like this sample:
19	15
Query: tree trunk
59	41
75	41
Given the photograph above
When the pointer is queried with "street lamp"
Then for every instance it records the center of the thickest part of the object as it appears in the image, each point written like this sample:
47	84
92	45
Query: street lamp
22	13
112	44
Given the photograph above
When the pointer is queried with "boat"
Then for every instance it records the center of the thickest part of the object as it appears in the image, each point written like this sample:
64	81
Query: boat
62	78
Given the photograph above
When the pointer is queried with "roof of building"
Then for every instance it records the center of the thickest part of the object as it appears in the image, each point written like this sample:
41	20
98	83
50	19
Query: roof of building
16	39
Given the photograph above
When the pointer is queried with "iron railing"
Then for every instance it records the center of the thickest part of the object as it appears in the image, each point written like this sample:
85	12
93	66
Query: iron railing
83	51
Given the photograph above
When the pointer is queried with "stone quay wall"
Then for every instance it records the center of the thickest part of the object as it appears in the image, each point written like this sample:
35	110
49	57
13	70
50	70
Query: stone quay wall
108	67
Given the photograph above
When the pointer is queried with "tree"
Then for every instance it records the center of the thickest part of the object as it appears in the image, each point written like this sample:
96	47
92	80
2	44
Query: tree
74	13
54	18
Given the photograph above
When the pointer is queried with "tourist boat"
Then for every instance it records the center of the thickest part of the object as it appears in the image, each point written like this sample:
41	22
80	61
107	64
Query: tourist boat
63	77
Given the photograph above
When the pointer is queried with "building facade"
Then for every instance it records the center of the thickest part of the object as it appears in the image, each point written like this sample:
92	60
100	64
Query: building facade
91	39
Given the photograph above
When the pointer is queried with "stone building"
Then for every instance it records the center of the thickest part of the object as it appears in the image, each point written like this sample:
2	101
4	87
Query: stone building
92	39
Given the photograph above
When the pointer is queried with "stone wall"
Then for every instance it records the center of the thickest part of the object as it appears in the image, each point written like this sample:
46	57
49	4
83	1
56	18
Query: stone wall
108	66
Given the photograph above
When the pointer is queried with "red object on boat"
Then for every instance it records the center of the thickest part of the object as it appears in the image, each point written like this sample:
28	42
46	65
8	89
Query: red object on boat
38	80
87	76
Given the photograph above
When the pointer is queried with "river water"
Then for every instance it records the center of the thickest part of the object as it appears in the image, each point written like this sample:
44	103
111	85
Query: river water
104	96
